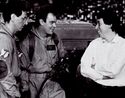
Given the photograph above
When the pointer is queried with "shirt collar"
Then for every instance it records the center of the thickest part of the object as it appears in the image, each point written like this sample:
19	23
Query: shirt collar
115	39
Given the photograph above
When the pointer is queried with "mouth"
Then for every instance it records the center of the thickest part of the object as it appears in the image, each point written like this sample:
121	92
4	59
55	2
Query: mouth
52	29
20	28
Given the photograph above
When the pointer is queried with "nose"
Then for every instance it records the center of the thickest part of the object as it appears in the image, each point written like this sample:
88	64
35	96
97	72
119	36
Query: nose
26	22
96	27
54	25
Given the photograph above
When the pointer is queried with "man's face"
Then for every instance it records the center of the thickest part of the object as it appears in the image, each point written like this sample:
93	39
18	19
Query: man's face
51	22
102	28
20	21
36	7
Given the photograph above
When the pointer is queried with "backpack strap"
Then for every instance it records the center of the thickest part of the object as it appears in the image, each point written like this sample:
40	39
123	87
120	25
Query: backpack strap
31	45
55	38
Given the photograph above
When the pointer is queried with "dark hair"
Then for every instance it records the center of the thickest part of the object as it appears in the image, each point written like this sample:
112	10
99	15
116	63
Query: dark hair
110	17
13	6
43	14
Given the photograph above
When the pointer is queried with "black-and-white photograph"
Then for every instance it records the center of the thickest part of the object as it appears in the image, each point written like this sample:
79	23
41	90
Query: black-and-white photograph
62	48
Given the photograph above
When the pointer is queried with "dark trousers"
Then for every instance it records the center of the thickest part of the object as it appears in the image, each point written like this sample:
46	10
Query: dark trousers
95	90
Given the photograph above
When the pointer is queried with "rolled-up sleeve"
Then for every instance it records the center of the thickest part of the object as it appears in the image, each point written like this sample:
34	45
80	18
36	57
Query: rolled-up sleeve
87	62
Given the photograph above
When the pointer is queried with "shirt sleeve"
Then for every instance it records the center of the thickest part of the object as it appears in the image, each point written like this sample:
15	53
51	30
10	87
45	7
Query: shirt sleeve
3	69
8	82
116	66
87	62
24	50
5	51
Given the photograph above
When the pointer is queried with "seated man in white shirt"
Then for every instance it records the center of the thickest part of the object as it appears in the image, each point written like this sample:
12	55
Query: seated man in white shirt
103	63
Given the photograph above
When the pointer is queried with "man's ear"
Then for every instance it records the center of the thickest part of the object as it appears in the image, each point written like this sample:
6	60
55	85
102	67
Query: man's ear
41	22
13	16
110	26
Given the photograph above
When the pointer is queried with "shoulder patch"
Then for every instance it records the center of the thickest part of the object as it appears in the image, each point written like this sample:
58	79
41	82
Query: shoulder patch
4	53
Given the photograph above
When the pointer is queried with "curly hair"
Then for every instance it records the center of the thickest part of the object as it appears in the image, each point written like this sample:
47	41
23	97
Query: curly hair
110	18
13	6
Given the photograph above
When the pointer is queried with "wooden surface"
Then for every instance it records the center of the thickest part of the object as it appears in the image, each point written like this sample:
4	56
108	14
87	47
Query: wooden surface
76	35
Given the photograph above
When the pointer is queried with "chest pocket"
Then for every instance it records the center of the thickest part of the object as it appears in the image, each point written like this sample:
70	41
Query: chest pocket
51	47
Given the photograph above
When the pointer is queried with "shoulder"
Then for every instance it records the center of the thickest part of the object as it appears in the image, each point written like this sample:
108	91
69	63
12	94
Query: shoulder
5	40
6	45
4	36
95	41
120	40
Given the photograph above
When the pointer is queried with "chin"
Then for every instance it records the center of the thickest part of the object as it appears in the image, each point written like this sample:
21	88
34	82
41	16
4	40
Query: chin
52	31
20	29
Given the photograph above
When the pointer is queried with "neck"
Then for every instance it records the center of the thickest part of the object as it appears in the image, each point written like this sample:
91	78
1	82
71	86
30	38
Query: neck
39	32
110	36
10	28
43	32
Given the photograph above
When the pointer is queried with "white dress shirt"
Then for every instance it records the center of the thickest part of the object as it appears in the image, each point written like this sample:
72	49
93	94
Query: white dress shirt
103	58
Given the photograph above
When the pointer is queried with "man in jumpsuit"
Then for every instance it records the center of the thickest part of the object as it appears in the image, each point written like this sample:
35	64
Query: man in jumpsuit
14	16
47	50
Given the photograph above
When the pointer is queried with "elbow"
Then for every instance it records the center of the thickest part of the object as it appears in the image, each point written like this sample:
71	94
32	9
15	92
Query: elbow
114	73
83	70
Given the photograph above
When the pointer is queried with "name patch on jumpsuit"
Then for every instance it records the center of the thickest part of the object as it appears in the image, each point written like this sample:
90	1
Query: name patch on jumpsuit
51	47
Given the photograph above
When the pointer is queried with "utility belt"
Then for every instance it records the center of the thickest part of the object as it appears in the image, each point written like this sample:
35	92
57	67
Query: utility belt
45	72
33	72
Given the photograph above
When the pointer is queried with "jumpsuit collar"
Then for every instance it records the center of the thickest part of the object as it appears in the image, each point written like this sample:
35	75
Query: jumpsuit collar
4	27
